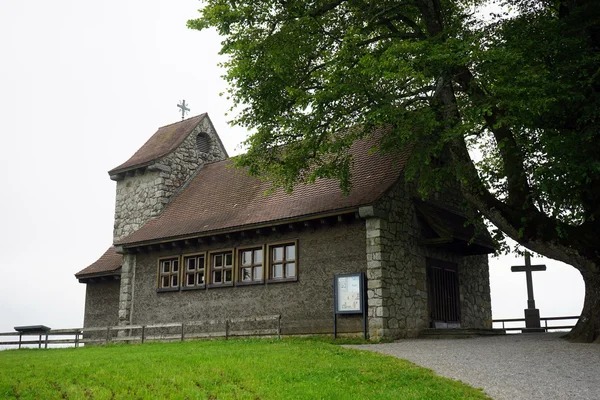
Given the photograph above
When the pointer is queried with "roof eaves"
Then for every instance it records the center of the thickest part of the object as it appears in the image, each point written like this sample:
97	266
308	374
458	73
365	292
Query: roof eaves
237	228
101	274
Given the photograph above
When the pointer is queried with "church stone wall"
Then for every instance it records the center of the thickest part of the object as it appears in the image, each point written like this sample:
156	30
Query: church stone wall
475	296
397	276
142	195
306	306
101	304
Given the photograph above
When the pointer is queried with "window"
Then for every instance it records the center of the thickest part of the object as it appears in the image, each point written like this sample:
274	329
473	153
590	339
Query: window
283	261
194	267
203	142
250	265
168	273
221	268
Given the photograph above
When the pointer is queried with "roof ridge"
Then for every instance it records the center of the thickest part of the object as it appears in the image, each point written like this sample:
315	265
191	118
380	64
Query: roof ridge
183	120
153	149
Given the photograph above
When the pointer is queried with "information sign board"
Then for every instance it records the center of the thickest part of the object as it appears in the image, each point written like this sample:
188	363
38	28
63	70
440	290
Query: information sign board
349	297
348	294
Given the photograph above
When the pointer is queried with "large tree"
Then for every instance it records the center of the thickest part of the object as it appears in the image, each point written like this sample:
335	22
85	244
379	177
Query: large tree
518	91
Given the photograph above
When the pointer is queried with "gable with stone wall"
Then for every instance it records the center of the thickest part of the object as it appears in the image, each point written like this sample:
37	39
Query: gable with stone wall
143	192
396	269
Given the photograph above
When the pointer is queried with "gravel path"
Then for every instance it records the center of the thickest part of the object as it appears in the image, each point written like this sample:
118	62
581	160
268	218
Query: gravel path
511	367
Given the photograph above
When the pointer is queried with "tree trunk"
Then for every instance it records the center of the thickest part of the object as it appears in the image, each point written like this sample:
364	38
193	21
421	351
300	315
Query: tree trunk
588	327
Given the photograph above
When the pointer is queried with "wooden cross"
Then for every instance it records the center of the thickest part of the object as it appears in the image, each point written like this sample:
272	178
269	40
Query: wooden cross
528	268
184	108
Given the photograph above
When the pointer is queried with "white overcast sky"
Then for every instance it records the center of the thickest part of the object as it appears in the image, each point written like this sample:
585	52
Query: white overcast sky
83	84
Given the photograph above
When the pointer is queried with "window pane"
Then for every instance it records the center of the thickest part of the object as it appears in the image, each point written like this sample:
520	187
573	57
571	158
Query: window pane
228	275
174	281
246	257
217	276
165	281
290	252
200	262
228	259
278	271
166	266
258	256
191	279
191	263
258	273
290	270
278	254
219	260
246	274
201	278
175	266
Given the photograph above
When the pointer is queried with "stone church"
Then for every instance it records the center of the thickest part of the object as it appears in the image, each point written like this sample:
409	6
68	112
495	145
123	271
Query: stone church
195	239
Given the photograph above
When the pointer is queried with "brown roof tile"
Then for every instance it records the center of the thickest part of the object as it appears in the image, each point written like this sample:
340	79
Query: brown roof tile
223	198
164	141
109	262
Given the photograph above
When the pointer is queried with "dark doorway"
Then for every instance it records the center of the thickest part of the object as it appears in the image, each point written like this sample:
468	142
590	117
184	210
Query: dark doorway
443	294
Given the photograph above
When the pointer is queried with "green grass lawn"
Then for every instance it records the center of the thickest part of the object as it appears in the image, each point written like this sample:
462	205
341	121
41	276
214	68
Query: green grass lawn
235	369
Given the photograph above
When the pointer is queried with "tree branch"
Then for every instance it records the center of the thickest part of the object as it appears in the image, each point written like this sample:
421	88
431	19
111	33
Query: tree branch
519	190
319	12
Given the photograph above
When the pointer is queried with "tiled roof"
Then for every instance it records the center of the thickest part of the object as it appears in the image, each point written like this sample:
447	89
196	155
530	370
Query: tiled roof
164	141
221	198
109	262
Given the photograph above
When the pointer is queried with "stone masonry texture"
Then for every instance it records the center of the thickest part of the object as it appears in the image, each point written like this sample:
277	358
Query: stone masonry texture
101	304
396	271
306	306
144	193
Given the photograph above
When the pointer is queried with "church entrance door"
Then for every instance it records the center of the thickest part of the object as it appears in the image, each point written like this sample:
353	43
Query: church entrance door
443	294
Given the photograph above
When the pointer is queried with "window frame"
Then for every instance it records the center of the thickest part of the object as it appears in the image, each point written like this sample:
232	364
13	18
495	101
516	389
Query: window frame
211	254
184	271
284	244
239	267
160	274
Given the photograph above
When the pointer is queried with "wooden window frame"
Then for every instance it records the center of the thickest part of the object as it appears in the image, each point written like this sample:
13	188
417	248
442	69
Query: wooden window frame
270	262
239	266
210	283
185	271
171	274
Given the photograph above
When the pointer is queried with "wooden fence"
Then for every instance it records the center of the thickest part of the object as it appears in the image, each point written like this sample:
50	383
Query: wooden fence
544	319
179	331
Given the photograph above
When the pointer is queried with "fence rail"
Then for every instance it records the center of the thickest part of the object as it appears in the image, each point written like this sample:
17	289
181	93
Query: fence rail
545	319
178	331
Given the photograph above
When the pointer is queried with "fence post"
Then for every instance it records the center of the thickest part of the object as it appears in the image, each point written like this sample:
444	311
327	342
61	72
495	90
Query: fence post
143	333
46	344
76	339
182	331
226	329
20	336
279	327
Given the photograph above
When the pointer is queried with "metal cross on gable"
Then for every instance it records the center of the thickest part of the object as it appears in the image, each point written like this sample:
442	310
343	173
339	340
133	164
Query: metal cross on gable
184	108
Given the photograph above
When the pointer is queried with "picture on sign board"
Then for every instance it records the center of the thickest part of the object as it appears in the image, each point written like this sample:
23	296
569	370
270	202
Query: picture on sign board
348	293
